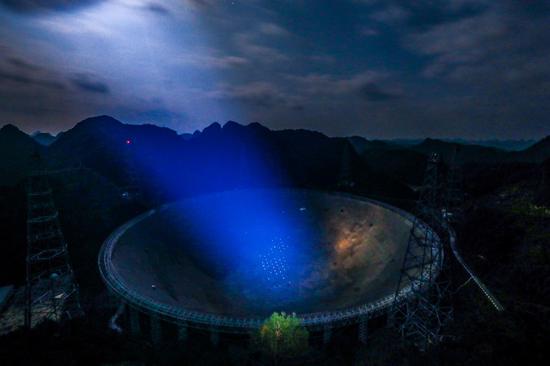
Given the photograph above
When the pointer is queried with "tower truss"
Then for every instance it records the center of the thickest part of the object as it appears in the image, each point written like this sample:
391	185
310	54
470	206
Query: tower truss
50	290
421	318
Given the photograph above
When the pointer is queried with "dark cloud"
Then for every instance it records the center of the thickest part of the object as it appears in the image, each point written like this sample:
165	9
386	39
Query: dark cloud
30	6
272	29
26	74
375	93
22	64
500	50
426	14
215	61
28	81
369	84
201	4
252	47
390	14
88	84
257	94
423	14
157	9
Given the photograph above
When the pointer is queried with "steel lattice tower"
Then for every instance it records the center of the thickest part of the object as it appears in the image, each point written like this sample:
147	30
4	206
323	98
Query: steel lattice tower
421	318
50	291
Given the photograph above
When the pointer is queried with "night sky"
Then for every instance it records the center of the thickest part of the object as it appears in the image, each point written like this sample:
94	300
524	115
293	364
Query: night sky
380	69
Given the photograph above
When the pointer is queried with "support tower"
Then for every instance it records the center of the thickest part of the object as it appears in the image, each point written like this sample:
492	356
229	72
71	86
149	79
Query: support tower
50	290
421	318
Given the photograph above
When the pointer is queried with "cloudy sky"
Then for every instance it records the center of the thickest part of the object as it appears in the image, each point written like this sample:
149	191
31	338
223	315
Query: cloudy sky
381	69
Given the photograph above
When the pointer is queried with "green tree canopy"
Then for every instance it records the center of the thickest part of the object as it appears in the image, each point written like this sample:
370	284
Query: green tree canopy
283	335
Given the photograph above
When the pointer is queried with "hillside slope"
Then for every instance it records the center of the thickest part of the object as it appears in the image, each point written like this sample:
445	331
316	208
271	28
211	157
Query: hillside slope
16	151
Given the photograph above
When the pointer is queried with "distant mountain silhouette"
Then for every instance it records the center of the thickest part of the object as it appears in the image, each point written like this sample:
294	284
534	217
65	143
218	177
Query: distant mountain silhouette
315	158
465	153
507	145
169	165
537	153
16	151
218	157
43	138
408	166
470	153
361	144
100	144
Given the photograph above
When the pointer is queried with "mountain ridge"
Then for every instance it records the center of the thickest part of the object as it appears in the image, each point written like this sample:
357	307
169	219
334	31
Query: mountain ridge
16	153
217	151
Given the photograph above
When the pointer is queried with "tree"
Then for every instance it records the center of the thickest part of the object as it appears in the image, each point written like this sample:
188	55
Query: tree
283	335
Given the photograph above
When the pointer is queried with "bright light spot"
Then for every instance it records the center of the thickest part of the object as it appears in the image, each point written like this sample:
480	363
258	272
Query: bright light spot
343	245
